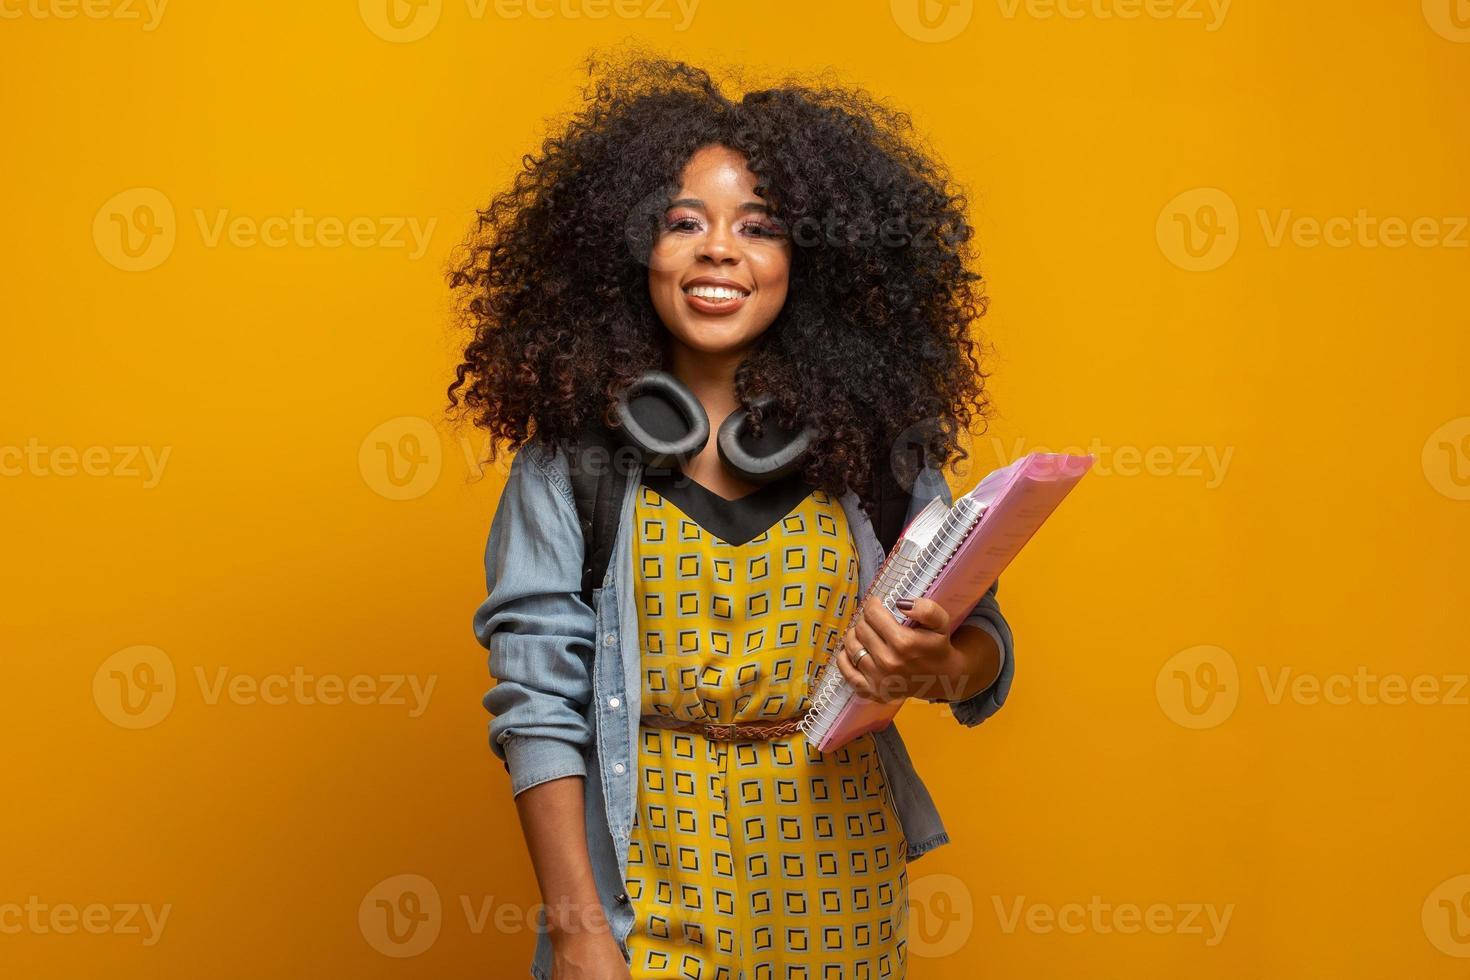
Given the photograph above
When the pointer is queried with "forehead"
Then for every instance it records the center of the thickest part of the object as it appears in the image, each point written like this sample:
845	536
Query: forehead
718	172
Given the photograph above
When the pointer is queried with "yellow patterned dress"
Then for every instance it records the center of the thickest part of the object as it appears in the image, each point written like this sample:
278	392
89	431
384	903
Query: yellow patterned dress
753	859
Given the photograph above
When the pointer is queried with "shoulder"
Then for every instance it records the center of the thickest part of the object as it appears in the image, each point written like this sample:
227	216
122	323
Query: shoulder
930	483
544	461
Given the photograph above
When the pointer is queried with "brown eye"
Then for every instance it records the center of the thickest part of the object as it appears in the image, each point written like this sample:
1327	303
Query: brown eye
764	229
684	223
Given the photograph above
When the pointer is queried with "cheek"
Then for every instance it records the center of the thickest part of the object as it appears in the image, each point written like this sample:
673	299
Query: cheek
773	275
663	284
668	256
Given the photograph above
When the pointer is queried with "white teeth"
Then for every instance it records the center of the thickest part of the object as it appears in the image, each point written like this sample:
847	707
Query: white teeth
714	292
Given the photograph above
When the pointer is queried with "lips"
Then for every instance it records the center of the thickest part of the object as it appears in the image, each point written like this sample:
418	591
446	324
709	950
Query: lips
715	296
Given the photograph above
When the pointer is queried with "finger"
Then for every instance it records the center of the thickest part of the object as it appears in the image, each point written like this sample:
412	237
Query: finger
876	684
929	614
902	643
855	677
885	658
868	665
886	675
880	621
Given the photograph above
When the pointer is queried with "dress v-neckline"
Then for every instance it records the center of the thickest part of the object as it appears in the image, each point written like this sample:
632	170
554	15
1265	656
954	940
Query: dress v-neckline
735	521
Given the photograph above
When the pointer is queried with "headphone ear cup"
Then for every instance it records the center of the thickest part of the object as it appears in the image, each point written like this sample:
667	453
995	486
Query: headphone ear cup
776	454
658	415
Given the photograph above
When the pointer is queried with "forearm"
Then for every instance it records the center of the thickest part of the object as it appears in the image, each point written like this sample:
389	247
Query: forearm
552	821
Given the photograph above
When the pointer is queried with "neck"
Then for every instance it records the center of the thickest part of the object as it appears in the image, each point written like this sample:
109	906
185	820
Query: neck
711	377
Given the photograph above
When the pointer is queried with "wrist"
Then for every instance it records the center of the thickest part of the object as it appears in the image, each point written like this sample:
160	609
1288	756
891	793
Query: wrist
978	659
570	922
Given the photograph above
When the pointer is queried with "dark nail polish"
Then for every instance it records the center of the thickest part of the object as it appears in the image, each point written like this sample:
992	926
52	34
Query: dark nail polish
904	604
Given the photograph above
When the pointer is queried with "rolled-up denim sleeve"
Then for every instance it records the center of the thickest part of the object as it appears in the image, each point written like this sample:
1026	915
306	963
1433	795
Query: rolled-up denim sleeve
539	632
985	616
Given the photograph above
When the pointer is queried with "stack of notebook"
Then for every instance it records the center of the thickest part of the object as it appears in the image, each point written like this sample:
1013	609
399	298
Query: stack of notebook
951	554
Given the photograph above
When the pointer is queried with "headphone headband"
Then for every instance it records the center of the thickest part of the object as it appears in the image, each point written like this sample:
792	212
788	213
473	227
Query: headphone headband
659	416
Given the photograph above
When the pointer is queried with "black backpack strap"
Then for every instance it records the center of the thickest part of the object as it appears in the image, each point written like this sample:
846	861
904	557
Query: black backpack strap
597	489
892	502
892	508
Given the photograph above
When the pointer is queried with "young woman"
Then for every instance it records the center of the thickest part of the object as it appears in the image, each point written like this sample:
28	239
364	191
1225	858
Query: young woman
797	243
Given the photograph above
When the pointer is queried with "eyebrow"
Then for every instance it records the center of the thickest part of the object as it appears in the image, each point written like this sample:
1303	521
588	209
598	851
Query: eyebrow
694	202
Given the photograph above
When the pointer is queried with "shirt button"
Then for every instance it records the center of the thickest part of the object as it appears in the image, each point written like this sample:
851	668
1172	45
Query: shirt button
622	896
613	702
619	768
610	639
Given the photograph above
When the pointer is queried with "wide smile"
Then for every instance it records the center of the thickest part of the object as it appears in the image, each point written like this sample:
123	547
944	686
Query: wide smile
715	300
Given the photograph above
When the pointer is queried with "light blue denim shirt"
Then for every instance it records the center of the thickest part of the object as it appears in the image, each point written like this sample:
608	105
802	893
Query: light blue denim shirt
568	676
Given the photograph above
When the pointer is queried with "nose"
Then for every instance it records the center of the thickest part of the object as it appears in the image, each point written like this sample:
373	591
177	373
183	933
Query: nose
720	246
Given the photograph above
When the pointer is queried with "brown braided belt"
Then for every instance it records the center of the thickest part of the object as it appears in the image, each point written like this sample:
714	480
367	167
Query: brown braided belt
730	732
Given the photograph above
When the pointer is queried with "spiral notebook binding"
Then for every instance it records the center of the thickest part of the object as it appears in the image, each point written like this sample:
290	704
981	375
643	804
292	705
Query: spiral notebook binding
896	578
824	706
937	554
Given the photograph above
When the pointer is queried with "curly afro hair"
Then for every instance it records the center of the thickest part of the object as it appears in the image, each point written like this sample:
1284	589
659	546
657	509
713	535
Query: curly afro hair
873	344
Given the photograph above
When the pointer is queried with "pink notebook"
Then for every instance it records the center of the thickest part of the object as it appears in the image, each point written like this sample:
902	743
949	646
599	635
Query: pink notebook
951	554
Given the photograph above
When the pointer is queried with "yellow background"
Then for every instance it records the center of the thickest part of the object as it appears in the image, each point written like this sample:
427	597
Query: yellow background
1332	537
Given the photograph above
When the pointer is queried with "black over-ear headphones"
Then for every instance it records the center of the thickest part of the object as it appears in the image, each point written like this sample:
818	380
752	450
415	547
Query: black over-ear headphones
660	417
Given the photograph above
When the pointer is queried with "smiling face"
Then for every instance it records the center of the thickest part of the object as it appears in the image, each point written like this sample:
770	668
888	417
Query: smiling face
721	262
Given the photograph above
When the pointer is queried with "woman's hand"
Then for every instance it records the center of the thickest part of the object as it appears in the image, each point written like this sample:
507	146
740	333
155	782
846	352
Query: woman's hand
588	955
921	661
